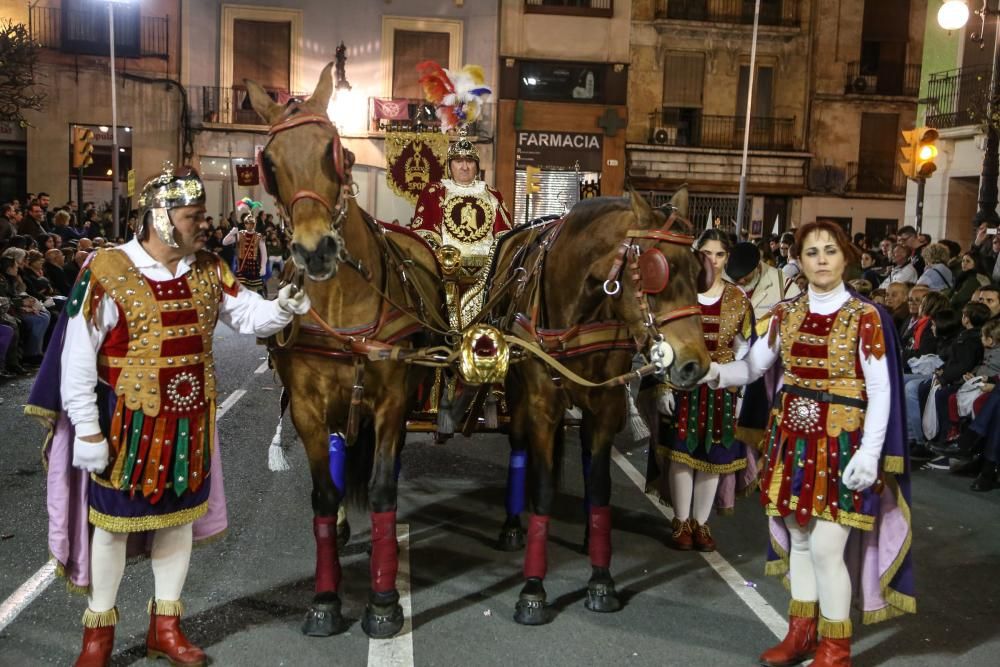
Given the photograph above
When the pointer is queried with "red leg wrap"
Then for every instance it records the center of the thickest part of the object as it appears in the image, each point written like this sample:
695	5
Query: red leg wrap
327	561
599	543
535	563
385	555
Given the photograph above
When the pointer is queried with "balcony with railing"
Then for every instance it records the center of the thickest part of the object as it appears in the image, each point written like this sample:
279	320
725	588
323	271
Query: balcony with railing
725	132
229	106
416	115
598	8
772	12
891	79
875	177
958	97
78	32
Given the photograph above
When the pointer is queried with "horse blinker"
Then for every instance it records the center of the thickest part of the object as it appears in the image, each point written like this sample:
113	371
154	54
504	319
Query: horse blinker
654	271
706	277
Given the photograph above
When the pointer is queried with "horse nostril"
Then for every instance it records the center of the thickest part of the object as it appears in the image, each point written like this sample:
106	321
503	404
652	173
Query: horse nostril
328	248
690	371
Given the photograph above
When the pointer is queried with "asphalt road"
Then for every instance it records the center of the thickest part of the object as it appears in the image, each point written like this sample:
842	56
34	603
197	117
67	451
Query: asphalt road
247	593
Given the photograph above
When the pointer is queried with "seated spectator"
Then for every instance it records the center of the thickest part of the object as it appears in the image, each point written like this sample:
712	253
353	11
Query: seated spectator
895	302
972	276
913	300
902	270
946	326
937	276
32	318
54	268
878	296
989	296
923	341
870	268
61	227
33	275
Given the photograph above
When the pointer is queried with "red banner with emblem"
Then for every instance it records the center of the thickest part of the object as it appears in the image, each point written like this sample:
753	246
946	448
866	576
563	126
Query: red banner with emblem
247	175
414	159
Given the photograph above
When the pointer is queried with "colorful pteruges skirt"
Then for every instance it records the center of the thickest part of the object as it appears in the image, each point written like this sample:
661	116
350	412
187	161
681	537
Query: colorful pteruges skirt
802	477
705	436
158	476
248	273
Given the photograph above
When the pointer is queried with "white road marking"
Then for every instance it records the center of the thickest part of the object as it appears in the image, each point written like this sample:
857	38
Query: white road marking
774	621
397	651
262	368
27	593
229	402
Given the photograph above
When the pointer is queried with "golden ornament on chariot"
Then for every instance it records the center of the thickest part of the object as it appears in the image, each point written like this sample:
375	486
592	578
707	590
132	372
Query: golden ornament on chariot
484	355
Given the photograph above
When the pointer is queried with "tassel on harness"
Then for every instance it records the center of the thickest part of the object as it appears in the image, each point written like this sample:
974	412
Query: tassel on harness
276	459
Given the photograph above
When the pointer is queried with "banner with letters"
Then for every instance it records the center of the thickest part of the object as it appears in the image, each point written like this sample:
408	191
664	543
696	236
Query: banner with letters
414	159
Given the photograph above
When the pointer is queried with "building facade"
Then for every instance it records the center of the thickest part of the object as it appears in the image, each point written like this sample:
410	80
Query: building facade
824	76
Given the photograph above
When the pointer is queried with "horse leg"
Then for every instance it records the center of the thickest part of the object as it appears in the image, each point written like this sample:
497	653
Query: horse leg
512	532
383	616
601	594
323	618
543	431
586	463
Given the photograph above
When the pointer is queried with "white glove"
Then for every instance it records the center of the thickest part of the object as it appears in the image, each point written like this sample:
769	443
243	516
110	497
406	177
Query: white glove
667	403
861	471
90	456
291	299
712	375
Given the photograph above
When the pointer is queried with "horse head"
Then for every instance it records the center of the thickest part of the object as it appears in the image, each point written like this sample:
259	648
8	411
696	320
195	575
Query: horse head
660	287
306	169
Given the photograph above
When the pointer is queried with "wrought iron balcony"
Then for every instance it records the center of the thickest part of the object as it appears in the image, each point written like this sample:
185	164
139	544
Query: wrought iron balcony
772	12
884	79
600	8
703	131
416	115
86	32
230	106
958	97
875	177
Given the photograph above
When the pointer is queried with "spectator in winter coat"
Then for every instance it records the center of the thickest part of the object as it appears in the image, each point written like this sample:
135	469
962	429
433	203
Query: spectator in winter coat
937	276
902	270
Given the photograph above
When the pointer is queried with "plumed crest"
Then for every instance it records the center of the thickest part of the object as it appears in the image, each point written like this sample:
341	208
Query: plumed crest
458	96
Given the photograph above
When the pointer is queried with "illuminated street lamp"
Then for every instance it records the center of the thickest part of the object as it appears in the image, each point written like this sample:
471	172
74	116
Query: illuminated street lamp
953	15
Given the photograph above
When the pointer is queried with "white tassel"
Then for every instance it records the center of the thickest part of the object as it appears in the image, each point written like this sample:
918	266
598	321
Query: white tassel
446	423
276	460
490	418
637	424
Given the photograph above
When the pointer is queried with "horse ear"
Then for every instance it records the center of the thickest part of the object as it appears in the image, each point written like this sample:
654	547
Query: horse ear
643	213
680	201
262	103
320	99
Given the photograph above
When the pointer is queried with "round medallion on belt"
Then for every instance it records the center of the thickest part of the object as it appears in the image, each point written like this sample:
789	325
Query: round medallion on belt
182	390
468	219
802	414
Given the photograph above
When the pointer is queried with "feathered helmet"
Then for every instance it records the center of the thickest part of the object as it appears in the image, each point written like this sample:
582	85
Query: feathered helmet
248	209
166	191
458	99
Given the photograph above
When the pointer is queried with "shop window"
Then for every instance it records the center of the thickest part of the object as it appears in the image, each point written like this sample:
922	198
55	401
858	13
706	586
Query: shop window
562	82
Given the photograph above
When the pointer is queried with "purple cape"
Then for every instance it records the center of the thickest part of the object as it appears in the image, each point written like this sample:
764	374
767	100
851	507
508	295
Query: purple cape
68	507
880	561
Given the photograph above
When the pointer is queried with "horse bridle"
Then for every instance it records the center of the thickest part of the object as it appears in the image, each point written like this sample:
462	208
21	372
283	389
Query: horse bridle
629	253
348	189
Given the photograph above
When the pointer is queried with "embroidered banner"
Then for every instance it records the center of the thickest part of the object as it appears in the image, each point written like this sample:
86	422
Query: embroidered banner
392	109
247	175
414	159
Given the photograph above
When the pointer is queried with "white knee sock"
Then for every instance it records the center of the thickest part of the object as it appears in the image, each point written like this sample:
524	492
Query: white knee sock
171	557
826	545
705	486
800	564
107	565
681	489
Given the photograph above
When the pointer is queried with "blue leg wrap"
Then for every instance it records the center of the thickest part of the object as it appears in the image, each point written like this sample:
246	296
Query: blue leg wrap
517	473
338	458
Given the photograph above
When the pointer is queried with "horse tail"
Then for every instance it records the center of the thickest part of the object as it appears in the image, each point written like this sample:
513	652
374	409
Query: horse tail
360	461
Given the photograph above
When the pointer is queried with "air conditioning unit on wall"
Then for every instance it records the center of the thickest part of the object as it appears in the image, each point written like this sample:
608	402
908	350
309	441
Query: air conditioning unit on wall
664	136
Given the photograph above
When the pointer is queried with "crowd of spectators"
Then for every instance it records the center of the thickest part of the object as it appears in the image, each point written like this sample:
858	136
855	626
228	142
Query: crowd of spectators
42	248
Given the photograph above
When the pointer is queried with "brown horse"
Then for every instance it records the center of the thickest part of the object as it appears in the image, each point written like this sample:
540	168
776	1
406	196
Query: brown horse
368	283
610	278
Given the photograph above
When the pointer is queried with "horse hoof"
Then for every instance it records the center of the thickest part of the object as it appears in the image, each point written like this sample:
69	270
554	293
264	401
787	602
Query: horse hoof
323	619
511	539
343	534
382	622
530	608
602	597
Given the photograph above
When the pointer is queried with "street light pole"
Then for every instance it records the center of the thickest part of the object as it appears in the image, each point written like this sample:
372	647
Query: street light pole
991	160
114	124
741	203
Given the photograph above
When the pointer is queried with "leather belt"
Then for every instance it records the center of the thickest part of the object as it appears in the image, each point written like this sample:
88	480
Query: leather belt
825	397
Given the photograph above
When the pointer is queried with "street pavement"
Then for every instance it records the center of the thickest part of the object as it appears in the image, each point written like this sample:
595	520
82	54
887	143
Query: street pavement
246	594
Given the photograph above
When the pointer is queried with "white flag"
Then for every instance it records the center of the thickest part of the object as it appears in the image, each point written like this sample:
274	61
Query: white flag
777	224
711	220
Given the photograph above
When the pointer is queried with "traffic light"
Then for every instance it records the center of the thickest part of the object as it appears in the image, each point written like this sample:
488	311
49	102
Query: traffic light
919	152
83	147
532	180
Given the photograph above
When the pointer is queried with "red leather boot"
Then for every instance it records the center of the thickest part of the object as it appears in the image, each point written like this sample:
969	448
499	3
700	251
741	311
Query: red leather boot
702	536
800	643
165	638
98	638
680	537
834	643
